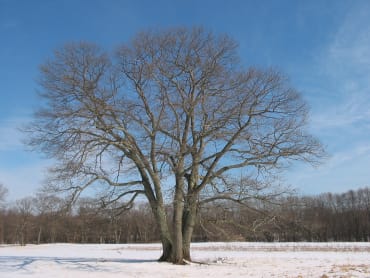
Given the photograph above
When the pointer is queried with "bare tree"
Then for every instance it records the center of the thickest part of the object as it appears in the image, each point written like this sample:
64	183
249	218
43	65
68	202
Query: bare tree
3	193
171	116
24	208
49	210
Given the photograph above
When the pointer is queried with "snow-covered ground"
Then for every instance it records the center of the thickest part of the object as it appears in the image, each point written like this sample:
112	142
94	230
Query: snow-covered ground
217	260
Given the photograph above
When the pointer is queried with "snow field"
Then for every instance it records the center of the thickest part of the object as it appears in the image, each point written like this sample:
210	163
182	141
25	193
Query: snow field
217	260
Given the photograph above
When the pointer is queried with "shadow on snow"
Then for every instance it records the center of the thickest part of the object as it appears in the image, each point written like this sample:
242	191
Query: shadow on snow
21	263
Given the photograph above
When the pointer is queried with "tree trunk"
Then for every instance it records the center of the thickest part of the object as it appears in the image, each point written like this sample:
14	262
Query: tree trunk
2	233
39	235
160	216
166	250
176	247
189	219
177	230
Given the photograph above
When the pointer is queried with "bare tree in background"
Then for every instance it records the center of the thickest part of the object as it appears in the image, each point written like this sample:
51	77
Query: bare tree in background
172	116
3	193
24	208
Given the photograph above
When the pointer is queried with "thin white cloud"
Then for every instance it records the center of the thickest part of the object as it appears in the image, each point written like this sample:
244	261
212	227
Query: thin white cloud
20	173
10	135
344	170
341	109
8	25
347	157
23	180
348	110
345	63
350	49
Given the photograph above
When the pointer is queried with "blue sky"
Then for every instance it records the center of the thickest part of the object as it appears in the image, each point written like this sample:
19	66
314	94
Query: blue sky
322	46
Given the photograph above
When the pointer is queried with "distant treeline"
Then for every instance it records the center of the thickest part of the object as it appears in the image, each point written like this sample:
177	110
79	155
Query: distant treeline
326	217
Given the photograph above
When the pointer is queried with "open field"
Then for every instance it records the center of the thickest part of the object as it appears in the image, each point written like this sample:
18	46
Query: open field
217	260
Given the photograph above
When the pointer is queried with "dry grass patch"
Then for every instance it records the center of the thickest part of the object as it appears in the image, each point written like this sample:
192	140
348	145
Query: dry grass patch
350	270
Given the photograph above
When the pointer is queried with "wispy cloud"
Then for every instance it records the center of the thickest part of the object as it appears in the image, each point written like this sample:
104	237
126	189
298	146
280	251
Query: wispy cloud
10	135
350	109
341	108
9	139
344	170
20	172
9	24
23	180
350	50
345	64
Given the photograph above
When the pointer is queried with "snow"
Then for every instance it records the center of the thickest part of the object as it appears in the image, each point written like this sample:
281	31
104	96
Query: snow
217	260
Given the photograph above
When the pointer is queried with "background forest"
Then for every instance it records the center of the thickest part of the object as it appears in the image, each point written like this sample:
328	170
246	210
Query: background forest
325	217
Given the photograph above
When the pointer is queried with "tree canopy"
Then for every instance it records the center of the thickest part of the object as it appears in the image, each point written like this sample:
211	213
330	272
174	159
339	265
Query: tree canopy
169	115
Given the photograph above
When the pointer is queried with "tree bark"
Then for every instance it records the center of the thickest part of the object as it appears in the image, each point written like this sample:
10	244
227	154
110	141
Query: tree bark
160	216
166	250
39	235
189	219
178	206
